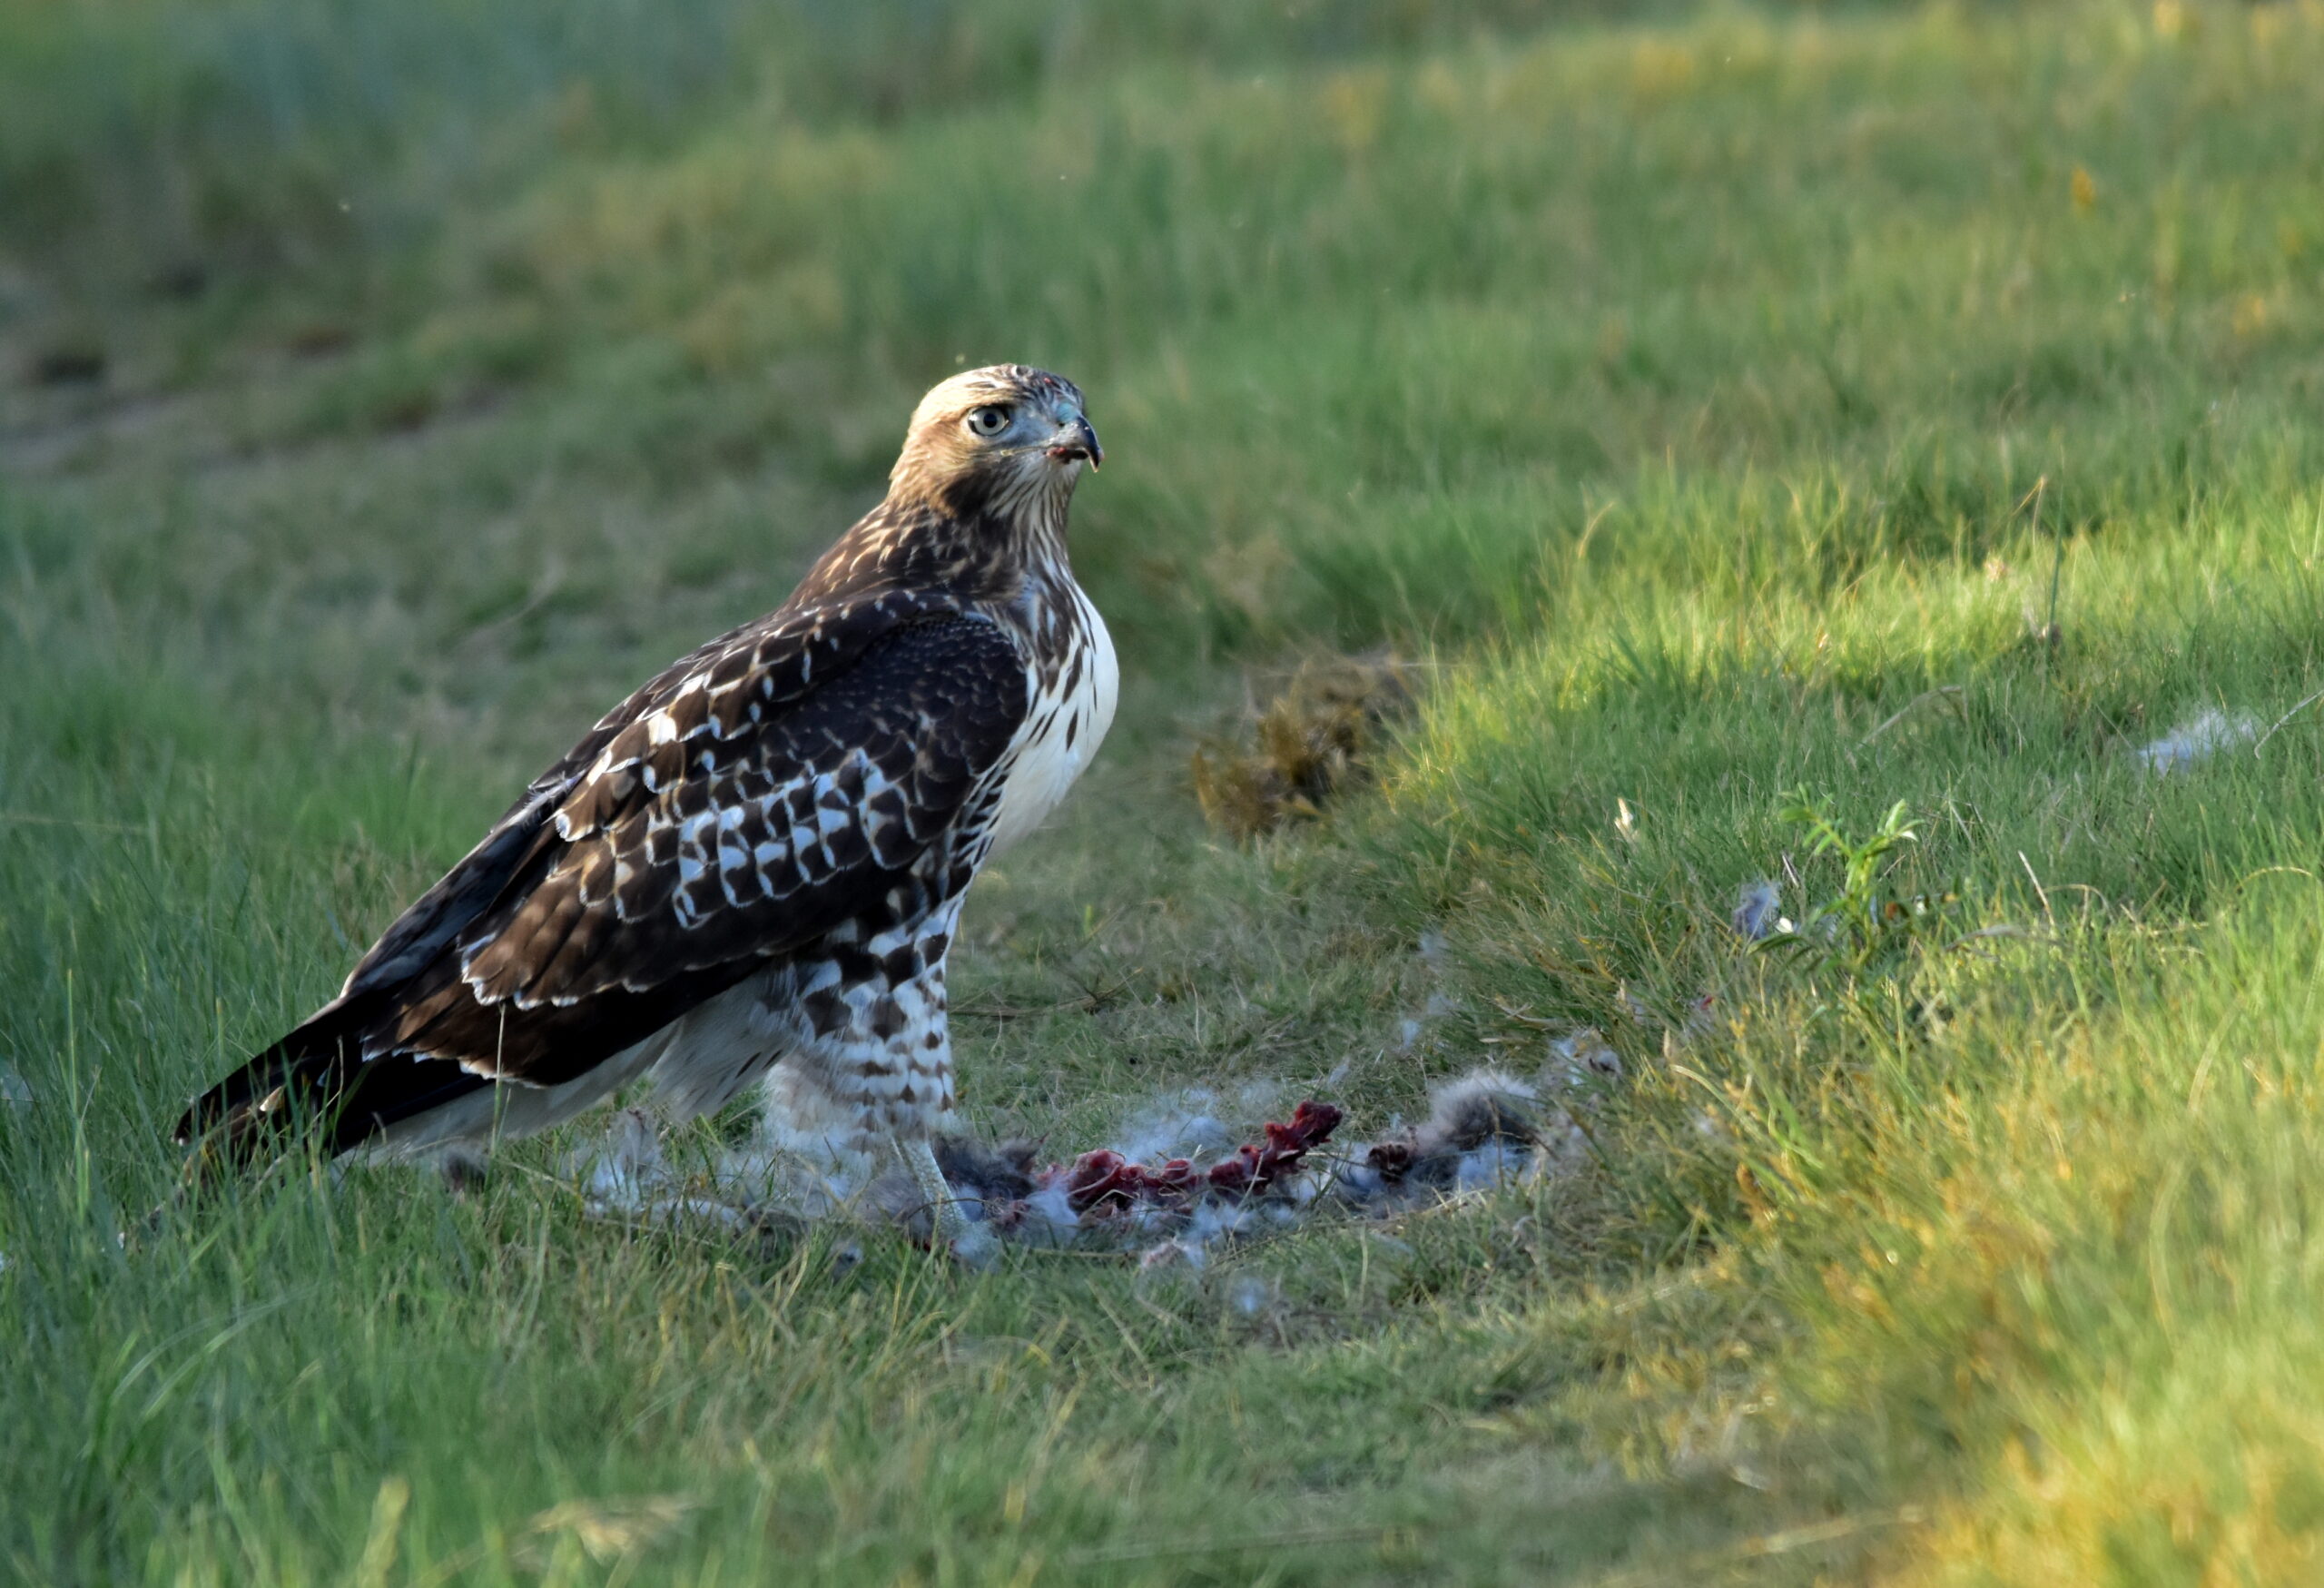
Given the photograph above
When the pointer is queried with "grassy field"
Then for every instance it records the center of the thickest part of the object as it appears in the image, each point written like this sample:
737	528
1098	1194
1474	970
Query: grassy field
1751	417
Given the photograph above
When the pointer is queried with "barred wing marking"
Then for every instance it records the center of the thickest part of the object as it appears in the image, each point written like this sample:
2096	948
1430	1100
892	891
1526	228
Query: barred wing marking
706	848
742	678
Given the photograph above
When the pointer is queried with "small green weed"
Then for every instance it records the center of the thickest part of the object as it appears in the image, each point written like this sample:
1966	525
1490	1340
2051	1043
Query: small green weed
1871	927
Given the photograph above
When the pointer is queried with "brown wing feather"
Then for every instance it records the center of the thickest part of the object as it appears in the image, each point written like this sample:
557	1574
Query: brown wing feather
782	658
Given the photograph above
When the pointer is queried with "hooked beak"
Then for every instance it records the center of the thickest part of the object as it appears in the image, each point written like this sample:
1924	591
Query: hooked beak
1076	440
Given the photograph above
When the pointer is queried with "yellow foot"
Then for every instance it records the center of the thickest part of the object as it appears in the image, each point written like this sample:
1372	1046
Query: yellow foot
971	1241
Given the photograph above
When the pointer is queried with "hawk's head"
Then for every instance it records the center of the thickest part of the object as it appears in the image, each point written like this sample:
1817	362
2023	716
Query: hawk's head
1008	434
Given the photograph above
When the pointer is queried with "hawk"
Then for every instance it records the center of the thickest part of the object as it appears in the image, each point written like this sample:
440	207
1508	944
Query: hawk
757	860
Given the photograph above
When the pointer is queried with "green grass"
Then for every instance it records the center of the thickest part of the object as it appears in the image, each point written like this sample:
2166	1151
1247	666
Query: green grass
1715	399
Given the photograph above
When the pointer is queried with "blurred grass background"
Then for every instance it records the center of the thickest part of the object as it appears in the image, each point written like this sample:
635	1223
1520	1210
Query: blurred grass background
1729	404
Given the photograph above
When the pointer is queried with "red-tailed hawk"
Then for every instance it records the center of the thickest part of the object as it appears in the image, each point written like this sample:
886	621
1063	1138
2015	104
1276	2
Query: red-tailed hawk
759	858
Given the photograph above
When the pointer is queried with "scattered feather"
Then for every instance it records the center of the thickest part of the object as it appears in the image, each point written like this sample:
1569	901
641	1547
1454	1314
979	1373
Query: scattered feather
1758	912
1188	1124
1584	1058
2197	740
1250	1295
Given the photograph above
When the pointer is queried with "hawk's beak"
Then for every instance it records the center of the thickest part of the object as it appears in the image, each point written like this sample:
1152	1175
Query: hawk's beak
1077	440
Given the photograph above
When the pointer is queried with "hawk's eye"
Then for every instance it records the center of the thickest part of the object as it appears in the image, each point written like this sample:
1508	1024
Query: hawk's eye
987	422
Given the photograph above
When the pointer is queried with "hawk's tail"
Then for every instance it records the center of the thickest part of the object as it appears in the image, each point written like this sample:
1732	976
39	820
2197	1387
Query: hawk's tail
294	1085
314	1081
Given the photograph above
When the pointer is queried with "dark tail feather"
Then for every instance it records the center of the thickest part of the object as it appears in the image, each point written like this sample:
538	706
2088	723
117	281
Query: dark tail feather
315	1080
294	1086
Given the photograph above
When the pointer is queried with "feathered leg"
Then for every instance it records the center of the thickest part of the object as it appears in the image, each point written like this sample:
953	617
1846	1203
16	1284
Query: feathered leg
868	1033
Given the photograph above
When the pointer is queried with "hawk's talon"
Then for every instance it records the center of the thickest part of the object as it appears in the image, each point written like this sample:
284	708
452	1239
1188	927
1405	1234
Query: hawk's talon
971	1241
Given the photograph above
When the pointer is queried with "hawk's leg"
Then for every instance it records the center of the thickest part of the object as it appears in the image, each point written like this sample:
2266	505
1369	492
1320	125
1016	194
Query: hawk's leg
968	1239
864	1026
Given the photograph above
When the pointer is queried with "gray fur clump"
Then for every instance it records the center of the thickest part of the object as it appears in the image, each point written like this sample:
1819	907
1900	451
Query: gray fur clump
1482	1130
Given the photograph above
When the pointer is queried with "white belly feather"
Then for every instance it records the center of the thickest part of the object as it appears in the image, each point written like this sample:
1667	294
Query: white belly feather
1061	736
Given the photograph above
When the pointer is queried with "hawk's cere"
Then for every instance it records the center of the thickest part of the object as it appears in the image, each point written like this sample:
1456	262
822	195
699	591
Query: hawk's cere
758	859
